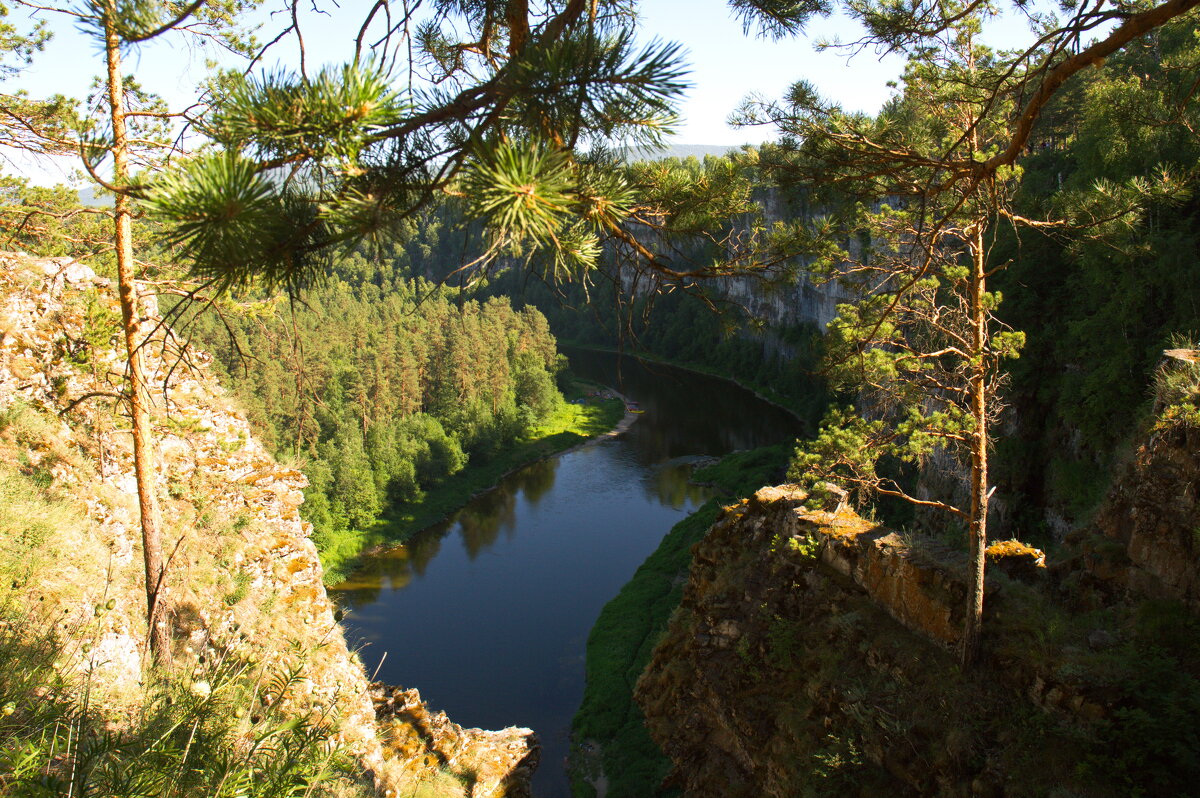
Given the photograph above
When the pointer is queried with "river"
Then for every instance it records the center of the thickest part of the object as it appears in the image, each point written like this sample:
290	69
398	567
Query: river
488	613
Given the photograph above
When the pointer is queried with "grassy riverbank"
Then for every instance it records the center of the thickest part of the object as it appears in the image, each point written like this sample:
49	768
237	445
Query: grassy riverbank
569	426
609	725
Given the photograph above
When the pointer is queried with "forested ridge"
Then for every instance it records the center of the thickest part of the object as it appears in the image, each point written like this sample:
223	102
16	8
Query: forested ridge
382	386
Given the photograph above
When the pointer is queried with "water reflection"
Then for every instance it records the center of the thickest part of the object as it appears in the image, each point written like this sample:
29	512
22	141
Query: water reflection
670	484
478	525
493	630
536	479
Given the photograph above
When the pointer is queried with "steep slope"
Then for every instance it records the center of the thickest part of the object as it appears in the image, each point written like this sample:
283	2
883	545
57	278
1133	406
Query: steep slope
811	655
1145	539
244	578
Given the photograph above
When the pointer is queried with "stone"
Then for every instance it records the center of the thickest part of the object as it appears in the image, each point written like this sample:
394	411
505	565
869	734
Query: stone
1150	516
200	432
419	742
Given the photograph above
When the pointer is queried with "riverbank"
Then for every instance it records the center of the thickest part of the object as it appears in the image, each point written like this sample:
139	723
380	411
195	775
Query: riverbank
572	425
762	392
611	746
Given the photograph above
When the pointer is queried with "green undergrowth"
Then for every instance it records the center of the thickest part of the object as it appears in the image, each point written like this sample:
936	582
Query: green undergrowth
567	426
217	731
629	627
1147	670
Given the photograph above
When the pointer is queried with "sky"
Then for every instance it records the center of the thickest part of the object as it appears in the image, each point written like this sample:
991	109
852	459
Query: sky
726	65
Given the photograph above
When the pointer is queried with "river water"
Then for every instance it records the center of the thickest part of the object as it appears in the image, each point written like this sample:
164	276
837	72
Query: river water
488	613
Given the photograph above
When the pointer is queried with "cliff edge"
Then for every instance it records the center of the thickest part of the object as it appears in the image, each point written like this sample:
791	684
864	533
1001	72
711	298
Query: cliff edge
811	655
245	580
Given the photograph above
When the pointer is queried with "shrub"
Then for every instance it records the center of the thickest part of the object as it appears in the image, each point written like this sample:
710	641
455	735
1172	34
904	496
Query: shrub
1177	387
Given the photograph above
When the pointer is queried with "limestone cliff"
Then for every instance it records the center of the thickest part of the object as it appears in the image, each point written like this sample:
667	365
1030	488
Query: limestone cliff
810	656
796	300
243	574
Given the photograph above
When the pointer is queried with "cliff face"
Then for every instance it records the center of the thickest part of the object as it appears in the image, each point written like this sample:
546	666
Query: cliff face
243	575
1146	538
811	656
782	301
798	301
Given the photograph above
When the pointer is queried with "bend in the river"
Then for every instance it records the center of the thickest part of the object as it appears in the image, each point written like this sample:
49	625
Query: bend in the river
488	613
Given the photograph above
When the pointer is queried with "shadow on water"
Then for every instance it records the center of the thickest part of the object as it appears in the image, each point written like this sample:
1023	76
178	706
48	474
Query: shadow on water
488	613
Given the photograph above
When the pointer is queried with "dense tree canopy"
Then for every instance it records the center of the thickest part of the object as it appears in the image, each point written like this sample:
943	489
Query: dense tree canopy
922	190
1099	310
382	392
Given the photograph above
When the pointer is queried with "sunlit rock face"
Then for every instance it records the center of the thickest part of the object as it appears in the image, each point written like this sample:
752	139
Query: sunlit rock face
244	578
418	742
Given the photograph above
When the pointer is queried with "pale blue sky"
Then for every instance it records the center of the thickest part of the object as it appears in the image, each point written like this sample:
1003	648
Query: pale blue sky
726	65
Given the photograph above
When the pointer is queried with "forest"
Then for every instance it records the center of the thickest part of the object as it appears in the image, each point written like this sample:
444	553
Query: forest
380	387
969	295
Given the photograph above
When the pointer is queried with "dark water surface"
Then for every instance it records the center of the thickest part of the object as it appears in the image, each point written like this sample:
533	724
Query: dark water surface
488	613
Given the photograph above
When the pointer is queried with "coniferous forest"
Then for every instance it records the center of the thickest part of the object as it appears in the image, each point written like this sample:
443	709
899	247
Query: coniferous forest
352	286
382	387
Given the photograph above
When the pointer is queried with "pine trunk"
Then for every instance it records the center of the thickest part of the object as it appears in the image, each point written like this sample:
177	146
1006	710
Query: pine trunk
143	442
973	623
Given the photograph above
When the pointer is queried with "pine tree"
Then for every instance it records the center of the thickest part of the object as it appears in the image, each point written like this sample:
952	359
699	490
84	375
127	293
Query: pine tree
37	126
306	164
118	27
921	189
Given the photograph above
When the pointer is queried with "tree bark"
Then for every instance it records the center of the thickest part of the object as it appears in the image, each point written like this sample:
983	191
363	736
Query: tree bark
973	623
158	635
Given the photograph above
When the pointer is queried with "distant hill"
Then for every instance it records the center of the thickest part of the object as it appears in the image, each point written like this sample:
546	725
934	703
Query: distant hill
88	197
678	151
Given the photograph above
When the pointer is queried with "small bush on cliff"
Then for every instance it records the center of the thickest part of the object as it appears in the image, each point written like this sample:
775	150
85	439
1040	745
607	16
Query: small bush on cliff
1177	387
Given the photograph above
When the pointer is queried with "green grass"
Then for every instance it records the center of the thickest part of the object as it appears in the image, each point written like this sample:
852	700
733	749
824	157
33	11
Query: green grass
569	425
191	734
629	627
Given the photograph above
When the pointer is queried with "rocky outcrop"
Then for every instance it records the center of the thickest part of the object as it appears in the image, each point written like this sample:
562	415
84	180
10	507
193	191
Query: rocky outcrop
244	578
809	657
473	762
1149	525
